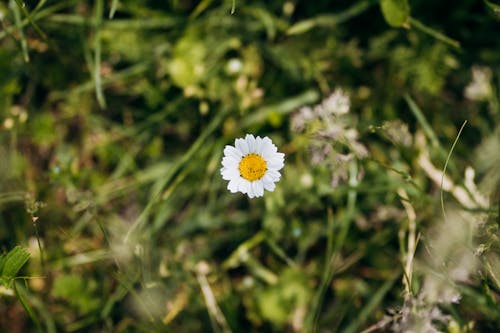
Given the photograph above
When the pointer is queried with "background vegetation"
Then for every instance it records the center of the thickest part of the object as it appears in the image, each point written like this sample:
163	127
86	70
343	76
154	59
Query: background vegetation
114	116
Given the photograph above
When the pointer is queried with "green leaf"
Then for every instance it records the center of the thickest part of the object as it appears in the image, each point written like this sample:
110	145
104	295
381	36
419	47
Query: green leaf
2	263
493	7
396	12
13	262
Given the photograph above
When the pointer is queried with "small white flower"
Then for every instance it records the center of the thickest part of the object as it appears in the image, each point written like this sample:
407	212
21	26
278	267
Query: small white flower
480	87
300	118
234	66
337	103
252	165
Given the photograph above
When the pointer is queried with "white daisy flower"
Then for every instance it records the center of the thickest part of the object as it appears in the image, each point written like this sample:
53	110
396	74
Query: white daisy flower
252	165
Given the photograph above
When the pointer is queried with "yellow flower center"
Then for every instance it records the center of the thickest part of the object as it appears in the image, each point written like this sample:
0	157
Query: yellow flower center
252	167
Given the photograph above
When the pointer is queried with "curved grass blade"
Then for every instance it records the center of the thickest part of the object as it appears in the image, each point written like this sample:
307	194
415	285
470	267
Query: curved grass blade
434	33
20	293
112	10
446	166
18	23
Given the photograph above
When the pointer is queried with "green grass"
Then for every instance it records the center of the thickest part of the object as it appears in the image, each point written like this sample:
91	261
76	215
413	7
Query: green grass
114	216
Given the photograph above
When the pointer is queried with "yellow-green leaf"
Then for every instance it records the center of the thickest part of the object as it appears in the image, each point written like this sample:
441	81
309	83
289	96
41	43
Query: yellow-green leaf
396	12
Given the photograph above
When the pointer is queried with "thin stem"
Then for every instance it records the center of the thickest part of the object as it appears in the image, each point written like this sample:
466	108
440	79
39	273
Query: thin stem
446	165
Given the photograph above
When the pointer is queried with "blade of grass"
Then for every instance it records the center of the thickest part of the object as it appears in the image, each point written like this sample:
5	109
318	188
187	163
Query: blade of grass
30	20
99	7
328	273
85	258
241	252
217	318
491	273
372	304
18	23
173	171
21	296
118	24
200	8
80	325
257	269
127	282
233	7
429	132
284	107
441	193
330	20
39	15
124	74
120	292
112	10
480	301
45	314
280	253
330	233
434	33
39	6
412	237
122	186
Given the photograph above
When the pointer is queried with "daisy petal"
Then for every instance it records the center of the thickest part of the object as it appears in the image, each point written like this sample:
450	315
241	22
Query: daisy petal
251	192
252	144
258	188
268	151
244	185
229	173
232	186
267	141
232	152
270	186
242	146
258	145
230	162
275	163
275	175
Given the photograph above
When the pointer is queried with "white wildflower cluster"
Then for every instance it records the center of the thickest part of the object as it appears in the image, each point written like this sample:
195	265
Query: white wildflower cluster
479	89
337	104
417	316
334	141
450	252
301	118
398	132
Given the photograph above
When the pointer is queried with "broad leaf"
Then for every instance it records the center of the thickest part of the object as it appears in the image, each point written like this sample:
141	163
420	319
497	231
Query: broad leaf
13	262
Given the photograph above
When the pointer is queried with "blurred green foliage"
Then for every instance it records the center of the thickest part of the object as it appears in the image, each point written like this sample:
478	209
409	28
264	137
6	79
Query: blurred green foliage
114	116
11	263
